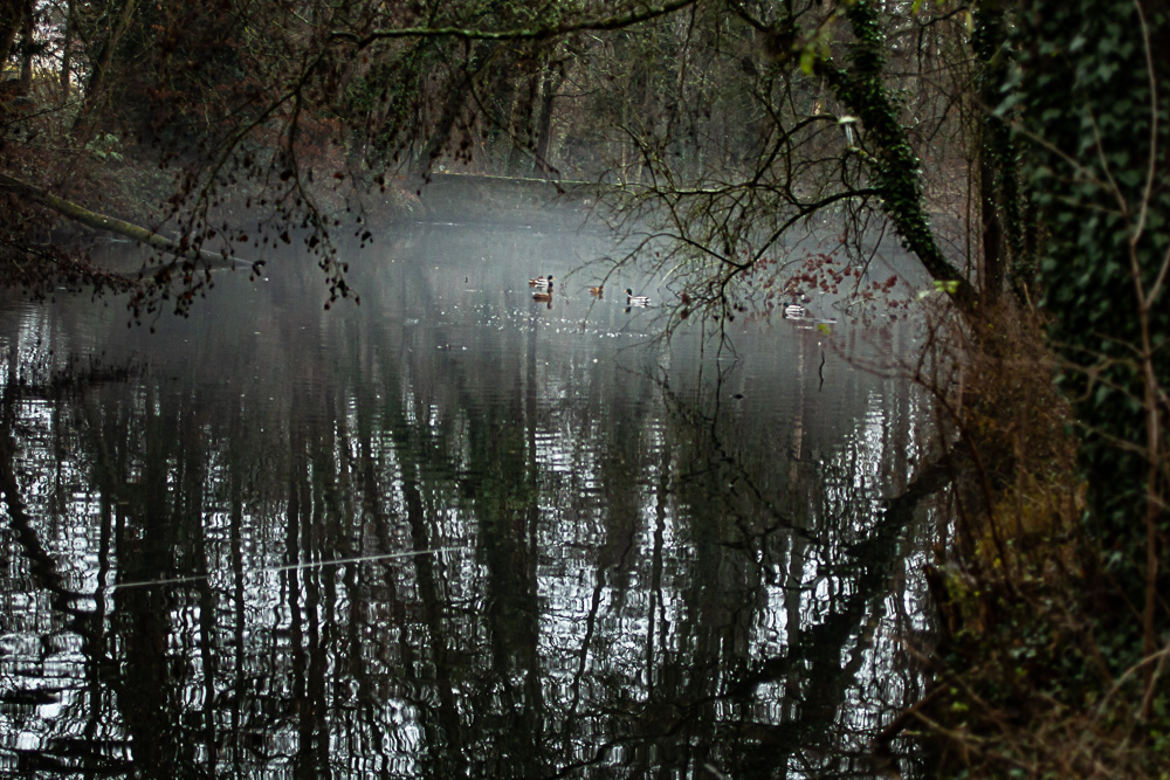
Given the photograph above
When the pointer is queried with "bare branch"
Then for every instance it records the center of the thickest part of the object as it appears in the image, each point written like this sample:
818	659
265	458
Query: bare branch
616	22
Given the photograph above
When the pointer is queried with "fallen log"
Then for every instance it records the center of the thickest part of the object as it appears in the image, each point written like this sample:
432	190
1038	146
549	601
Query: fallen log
99	221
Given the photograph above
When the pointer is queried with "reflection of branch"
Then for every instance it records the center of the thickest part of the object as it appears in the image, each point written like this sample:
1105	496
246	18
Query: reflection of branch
929	481
815	655
728	460
42	565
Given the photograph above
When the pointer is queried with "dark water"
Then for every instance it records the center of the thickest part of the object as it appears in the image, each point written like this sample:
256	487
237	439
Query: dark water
450	532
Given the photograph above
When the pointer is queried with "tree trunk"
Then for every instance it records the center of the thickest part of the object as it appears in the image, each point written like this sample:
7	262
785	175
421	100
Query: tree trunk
992	260
26	33
456	100
999	200
98	82
520	126
551	84
11	20
894	166
66	52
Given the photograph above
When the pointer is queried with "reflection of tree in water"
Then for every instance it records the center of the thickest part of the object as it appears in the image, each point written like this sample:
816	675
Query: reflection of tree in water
813	540
627	588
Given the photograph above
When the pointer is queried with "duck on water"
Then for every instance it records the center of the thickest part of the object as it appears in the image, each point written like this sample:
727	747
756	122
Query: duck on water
636	300
796	309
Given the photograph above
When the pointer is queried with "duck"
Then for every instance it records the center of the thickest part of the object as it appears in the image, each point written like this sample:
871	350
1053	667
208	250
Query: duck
636	300
541	281
597	291
795	311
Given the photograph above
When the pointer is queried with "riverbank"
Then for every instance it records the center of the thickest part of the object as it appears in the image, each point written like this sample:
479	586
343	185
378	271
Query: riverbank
1038	667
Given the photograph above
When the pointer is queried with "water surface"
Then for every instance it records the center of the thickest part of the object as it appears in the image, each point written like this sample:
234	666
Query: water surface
452	531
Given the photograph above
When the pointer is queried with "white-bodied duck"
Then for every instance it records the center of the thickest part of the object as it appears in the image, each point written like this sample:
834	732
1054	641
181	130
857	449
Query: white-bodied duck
796	309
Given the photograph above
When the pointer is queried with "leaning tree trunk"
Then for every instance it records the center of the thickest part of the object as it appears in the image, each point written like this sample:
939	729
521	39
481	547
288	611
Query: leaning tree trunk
893	165
99	221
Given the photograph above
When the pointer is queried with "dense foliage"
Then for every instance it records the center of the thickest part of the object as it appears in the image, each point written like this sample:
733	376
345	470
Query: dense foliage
1088	77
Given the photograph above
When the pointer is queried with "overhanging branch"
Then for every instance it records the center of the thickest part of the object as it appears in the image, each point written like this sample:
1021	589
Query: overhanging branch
616	22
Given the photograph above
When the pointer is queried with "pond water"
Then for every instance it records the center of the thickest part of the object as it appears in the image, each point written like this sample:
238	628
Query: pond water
451	531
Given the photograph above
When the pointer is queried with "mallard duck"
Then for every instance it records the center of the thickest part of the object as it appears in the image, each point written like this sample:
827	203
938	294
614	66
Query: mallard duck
597	291
636	300
541	281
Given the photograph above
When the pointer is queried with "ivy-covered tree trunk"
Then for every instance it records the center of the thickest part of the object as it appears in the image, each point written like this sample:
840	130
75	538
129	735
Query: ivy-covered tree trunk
1094	102
894	167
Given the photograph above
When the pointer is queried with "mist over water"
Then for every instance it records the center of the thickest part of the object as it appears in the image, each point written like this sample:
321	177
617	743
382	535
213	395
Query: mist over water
452	530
